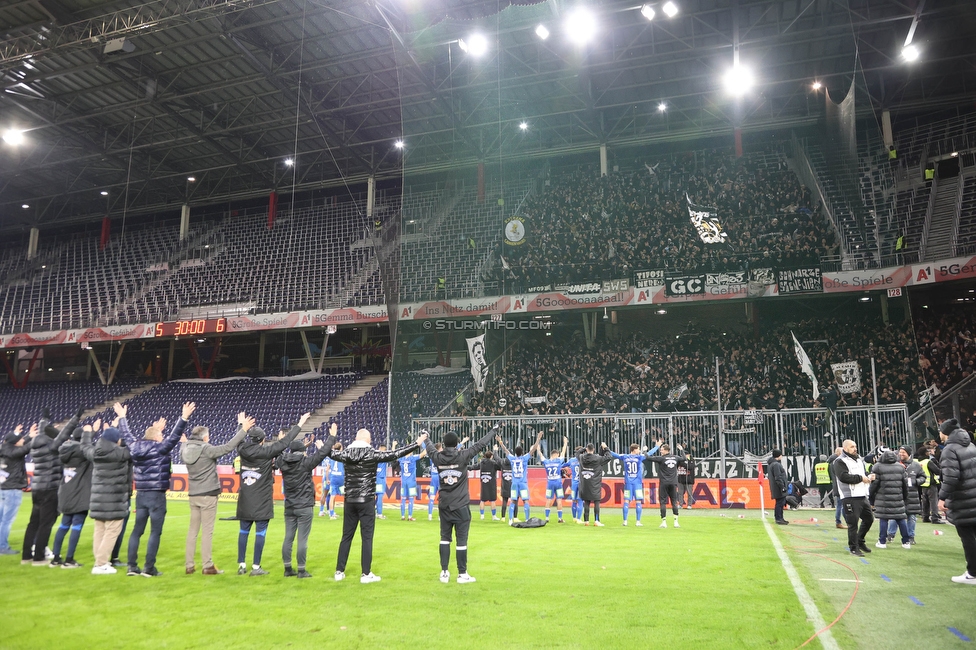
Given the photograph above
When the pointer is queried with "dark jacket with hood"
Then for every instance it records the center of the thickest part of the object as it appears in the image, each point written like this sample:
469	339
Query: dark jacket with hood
914	477
958	464
255	500
74	493
889	491
296	473
44	453
150	459
201	464
777	479
452	465
361	460
591	474
13	469
111	480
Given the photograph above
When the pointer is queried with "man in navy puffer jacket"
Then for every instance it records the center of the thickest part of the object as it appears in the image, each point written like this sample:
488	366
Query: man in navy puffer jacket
151	470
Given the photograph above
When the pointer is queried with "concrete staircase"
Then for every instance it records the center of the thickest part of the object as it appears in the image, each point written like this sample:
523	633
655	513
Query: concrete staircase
938	244
343	400
125	397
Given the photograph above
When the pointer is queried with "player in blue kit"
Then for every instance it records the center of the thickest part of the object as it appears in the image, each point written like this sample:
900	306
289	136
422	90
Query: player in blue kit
408	485
520	476
574	475
633	478
554	479
381	471
336	473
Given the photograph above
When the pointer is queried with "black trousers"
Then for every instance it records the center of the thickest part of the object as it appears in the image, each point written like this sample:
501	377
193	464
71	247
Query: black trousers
930	502
826	492
665	492
44	512
857	509
967	534
458	523
778	508
362	515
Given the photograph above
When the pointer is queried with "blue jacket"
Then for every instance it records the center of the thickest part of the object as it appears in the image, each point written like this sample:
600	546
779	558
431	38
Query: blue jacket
150	459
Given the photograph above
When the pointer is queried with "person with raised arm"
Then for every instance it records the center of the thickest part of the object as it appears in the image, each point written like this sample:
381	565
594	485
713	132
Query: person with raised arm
591	480
520	476
74	494
13	480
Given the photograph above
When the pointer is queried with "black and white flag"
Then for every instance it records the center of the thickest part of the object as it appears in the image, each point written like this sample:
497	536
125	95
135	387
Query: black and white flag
479	363
805	365
677	392
847	376
705	220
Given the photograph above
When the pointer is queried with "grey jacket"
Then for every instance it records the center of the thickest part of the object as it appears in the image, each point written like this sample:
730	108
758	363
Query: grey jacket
201	464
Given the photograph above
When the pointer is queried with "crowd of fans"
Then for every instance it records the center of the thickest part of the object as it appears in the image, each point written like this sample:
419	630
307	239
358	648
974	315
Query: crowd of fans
583	227
637	373
946	349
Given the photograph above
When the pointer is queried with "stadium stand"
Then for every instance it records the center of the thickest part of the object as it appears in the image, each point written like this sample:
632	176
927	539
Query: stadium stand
63	398
947	351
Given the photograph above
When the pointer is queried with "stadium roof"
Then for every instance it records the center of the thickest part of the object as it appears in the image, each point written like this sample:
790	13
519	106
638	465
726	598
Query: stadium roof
227	90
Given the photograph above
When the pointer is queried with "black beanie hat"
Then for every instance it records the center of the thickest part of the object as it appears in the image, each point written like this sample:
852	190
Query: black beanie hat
949	426
297	445
256	432
450	439
51	431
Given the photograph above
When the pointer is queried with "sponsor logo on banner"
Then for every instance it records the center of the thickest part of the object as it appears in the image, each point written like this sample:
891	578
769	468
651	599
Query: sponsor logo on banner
847	376
922	274
644	295
898	276
685	285
956	269
579	287
519	304
809	280
648	279
540	288
615	286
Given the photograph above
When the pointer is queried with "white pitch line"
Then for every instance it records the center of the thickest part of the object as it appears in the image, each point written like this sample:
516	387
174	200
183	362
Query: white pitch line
826	638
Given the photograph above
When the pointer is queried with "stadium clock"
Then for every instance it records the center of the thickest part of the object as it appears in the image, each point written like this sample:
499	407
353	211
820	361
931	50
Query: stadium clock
194	327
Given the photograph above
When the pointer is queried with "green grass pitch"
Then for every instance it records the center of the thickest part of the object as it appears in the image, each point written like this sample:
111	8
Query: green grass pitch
714	583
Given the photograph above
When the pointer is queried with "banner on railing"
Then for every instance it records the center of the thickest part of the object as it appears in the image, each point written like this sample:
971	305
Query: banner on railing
793	281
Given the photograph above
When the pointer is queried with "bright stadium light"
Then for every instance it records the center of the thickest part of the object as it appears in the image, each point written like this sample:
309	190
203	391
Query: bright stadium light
910	53
817	85
13	137
581	26
661	312
542	32
662	107
25	206
191	179
289	162
647	11
398	144
103	193
670	9
524	126
738	80
475	45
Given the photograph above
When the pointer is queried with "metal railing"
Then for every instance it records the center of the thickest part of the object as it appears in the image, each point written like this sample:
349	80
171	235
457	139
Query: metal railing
743	437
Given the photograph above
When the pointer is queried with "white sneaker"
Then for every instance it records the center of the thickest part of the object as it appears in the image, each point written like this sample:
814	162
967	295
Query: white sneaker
104	570
464	578
494	518
676	524
321	513
625	522
333	516
880	545
639	524
482	517
430	517
906	545
369	577
965	579
598	523
445	576
339	576
664	523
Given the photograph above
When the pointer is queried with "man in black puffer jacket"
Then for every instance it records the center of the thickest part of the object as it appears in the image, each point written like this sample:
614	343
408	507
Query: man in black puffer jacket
888	494
13	480
255	498
111	482
958	492
360	461
914	476
44	487
151	469
74	494
296	482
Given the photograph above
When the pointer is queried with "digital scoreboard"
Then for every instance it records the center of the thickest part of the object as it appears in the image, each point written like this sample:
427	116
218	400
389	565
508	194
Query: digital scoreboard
197	326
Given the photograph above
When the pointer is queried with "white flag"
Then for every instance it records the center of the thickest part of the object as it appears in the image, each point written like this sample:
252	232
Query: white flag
847	376
479	365
805	365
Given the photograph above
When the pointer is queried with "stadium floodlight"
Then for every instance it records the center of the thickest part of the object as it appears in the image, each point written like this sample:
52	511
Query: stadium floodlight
864	299
670	9
542	32
289	162
25	206
103	193
661	312
910	53
524	126
581	26
191	179
954	154
475	45
662	107
13	137
738	80
647	11
398	144
817	85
